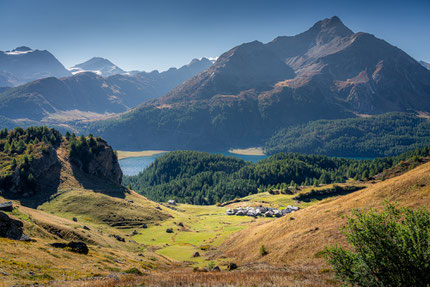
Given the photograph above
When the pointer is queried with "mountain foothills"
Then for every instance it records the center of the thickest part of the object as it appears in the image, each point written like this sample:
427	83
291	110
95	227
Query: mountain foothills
378	136
23	65
255	89
203	178
86	94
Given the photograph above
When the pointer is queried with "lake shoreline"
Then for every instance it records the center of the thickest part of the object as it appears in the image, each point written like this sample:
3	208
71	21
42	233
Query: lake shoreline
129	154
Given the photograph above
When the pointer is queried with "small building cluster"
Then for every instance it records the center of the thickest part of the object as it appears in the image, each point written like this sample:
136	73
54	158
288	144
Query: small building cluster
261	211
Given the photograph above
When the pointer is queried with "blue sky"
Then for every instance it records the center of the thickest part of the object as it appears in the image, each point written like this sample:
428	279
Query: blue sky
147	35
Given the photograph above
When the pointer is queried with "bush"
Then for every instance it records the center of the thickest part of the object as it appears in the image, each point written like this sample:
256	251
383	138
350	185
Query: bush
388	248
134	271
263	250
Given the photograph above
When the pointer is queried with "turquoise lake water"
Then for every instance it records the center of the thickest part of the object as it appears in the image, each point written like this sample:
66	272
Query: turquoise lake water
134	165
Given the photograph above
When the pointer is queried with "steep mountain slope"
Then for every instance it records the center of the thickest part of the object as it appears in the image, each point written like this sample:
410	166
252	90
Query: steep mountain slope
300	241
100	66
89	92
327	72
377	136
23	65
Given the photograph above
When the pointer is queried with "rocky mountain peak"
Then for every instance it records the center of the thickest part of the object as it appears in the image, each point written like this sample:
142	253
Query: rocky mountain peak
333	26
22	49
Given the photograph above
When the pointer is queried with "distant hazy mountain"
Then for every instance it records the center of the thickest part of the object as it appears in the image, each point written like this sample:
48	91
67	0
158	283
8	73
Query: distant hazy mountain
89	92
426	65
23	65
100	66
253	90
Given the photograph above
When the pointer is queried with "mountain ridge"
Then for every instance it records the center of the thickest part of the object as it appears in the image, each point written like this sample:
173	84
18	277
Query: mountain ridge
254	89
23	65
89	92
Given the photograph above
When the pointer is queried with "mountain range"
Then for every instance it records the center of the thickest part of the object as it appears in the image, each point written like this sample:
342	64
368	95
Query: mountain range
23	65
254	89
90	92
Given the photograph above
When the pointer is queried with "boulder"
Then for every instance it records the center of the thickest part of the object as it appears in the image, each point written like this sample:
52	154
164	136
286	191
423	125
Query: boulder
268	214
75	219
77	247
216	269
86	227
144	225
11	228
231	266
196	254
117	237
169	230
6	206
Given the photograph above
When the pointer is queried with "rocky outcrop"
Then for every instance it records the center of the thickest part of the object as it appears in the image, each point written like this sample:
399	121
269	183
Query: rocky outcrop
38	166
77	247
105	164
6	206
11	228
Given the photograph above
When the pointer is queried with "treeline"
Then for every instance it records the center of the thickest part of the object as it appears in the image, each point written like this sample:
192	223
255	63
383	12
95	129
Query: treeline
203	178
19	147
384	135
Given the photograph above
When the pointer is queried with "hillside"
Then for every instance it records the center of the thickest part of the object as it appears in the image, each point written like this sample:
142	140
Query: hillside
74	195
377	136
23	65
293	242
205	179
254	89
87	95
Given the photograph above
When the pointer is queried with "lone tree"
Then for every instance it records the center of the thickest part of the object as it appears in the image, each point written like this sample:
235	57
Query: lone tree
388	248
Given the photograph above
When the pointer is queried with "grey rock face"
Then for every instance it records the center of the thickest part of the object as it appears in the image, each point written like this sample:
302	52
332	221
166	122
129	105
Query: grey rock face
11	228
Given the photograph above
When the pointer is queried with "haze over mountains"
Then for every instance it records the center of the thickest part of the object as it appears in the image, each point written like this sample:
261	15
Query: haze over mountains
90	92
327	72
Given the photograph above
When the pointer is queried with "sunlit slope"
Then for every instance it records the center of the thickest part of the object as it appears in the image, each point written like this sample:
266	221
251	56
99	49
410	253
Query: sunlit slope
299	238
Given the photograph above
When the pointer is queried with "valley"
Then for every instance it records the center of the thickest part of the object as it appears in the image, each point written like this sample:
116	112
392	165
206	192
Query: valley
303	160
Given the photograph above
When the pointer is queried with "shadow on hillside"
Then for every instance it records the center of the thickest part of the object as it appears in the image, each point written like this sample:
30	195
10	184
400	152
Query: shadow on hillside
48	186
326	193
98	184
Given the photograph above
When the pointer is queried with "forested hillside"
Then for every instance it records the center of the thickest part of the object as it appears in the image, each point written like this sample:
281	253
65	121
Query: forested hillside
203	178
385	135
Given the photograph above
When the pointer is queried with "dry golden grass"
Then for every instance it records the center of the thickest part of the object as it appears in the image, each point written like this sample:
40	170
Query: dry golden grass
300	241
294	246
287	277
